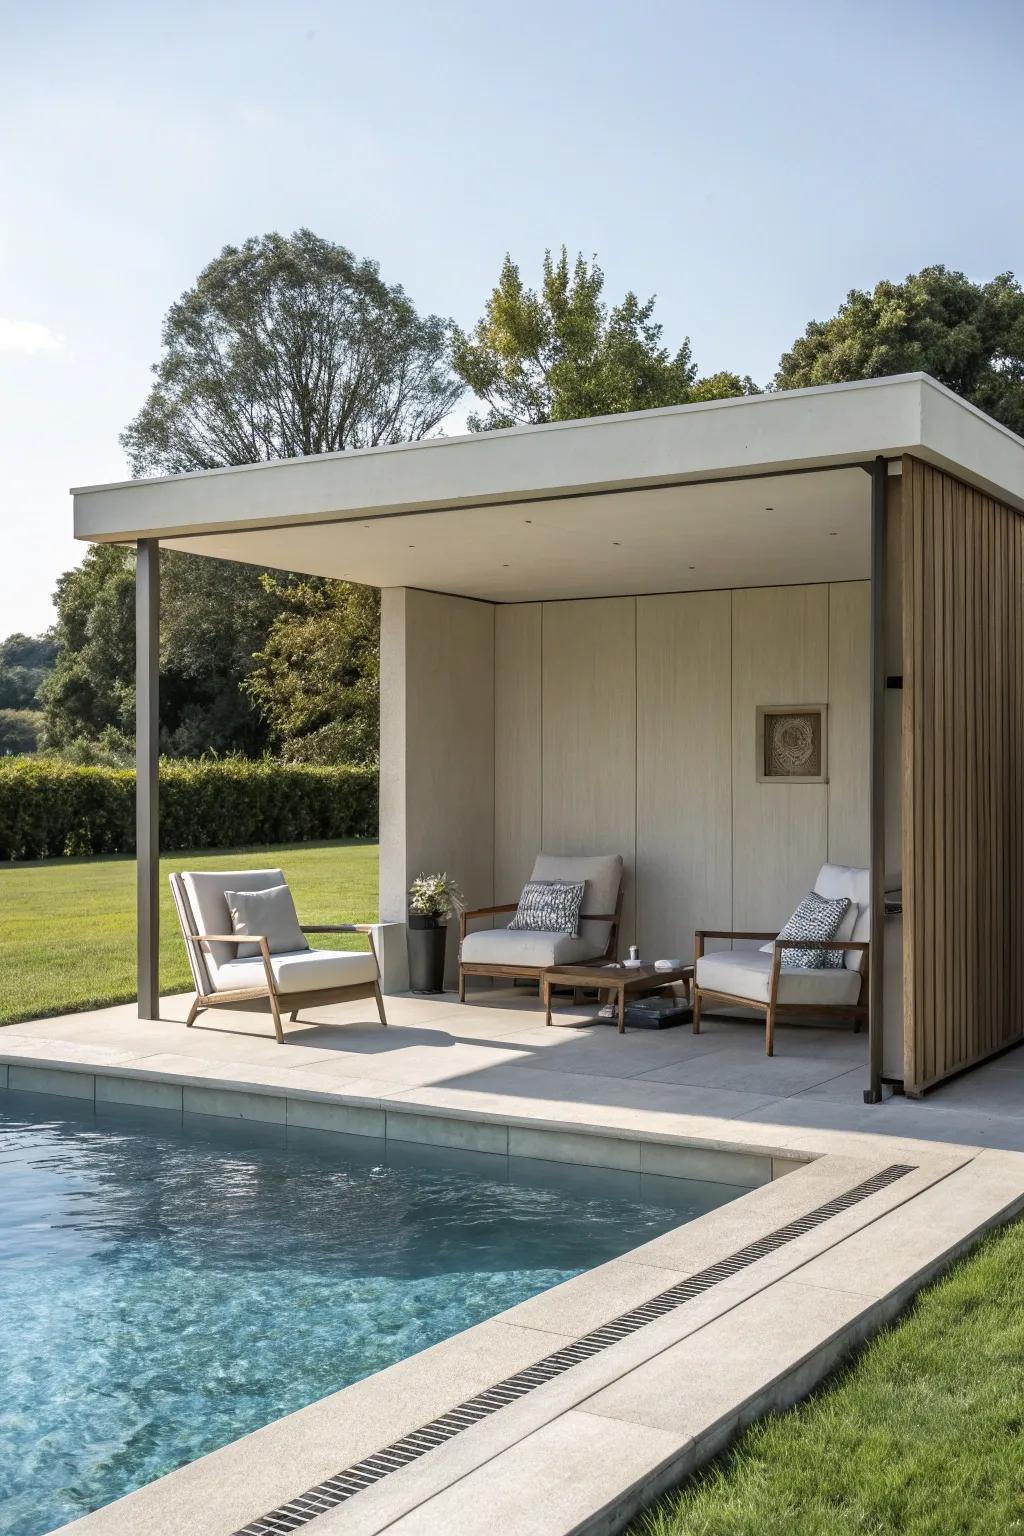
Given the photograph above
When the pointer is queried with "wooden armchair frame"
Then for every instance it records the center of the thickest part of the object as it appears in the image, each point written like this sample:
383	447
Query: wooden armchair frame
268	993
532	972
773	1010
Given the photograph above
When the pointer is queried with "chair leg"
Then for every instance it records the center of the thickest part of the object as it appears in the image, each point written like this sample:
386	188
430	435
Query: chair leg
278	1031
696	1010
769	1030
462	985
293	1017
380	1003
192	1014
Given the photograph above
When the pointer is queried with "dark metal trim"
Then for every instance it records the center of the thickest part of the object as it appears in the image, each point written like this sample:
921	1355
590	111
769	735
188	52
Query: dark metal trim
876	972
147	762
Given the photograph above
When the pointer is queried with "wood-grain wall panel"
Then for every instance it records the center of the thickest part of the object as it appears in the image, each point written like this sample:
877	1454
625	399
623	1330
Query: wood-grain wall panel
780	831
963	776
517	746
684	769
589	733
849	724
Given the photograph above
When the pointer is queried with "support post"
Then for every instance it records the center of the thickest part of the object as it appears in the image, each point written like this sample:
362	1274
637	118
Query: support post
876	967
147	761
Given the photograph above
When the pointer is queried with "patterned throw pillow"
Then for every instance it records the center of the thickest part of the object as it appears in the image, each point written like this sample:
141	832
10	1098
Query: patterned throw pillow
550	906
815	918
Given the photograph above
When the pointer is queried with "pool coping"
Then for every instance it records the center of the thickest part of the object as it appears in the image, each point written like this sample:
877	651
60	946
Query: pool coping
604	1439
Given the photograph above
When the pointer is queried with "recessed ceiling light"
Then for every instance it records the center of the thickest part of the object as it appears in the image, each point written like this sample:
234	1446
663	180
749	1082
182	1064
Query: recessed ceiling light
833	535
769	509
616	544
693	567
528	519
412	546
504	565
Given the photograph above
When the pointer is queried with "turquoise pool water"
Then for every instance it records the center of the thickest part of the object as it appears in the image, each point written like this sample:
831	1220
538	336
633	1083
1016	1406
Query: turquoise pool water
167	1285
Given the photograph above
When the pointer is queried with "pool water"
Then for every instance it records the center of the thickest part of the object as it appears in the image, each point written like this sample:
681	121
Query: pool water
169	1283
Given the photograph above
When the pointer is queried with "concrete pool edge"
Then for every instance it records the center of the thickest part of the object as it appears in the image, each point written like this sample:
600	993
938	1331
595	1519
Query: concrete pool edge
589	1145
597	1444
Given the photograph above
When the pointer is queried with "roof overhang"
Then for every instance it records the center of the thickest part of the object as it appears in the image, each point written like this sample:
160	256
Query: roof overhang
614	503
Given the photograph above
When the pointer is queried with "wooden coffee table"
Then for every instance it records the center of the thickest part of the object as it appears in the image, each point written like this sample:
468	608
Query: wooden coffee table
619	981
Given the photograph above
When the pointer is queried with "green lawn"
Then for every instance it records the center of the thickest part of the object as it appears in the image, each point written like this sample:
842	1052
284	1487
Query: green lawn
67	926
923	1435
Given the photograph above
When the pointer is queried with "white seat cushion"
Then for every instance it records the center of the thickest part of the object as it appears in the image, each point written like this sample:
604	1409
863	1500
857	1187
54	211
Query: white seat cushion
309	970
747	973
513	946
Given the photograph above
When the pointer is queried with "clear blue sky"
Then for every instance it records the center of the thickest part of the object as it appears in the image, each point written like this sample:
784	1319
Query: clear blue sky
749	162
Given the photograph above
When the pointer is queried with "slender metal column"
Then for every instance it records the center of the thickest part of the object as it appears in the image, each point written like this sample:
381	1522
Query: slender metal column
876	973
147	790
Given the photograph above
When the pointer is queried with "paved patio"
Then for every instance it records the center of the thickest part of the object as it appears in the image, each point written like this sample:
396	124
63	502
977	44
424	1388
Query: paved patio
494	1056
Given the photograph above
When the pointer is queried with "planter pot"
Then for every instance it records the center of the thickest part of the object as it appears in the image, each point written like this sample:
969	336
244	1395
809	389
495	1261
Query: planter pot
426	940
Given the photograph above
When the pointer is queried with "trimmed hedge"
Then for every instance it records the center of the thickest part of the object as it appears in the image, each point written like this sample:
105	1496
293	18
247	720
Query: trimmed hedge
49	808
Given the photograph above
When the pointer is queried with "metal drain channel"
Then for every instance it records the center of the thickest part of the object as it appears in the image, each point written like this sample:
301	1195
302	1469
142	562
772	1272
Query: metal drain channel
343	1485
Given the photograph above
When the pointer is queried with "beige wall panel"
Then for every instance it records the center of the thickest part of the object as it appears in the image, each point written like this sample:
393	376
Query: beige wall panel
589	732
437	746
684	769
849	723
780	831
517	746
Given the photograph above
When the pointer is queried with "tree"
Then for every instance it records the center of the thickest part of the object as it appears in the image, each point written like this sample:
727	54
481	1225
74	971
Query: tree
214	615
561	354
25	661
289	345
969	336
316	680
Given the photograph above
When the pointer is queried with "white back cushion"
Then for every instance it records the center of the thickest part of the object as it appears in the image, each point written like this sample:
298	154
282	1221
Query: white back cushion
205	891
847	880
603	876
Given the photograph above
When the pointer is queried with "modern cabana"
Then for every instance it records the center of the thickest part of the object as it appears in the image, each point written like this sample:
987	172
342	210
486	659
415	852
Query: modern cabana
587	627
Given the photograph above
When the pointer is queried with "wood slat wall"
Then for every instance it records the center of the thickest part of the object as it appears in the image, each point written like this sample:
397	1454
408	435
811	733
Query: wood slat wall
963	775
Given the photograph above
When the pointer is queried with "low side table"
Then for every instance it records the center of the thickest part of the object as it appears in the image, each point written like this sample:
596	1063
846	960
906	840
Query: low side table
619	981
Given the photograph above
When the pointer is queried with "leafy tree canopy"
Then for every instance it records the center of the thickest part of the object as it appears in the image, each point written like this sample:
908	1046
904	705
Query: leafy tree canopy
289	345
969	336
560	353
316	679
25	661
214	615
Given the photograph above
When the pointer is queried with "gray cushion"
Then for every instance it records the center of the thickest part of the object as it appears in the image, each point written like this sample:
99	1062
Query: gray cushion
510	946
550	906
747	973
309	970
603	876
270	913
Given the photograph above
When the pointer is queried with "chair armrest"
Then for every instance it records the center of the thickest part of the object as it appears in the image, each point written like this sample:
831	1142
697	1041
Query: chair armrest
731	933
861	944
229	938
335	927
509	906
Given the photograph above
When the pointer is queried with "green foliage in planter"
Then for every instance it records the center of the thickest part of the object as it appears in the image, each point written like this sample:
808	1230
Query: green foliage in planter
49	807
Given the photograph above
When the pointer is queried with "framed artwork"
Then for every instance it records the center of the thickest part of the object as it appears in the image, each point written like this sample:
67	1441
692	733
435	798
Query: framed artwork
792	746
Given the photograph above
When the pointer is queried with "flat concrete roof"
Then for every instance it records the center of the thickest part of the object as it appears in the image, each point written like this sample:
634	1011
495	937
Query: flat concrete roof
734	492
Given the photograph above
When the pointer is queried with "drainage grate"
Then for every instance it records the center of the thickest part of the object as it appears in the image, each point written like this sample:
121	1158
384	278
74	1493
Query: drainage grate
343	1485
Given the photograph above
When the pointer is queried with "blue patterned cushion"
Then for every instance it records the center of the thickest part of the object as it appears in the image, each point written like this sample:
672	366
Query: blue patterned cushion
550	906
815	918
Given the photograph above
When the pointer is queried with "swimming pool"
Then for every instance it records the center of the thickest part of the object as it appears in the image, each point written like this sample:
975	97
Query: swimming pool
169	1284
